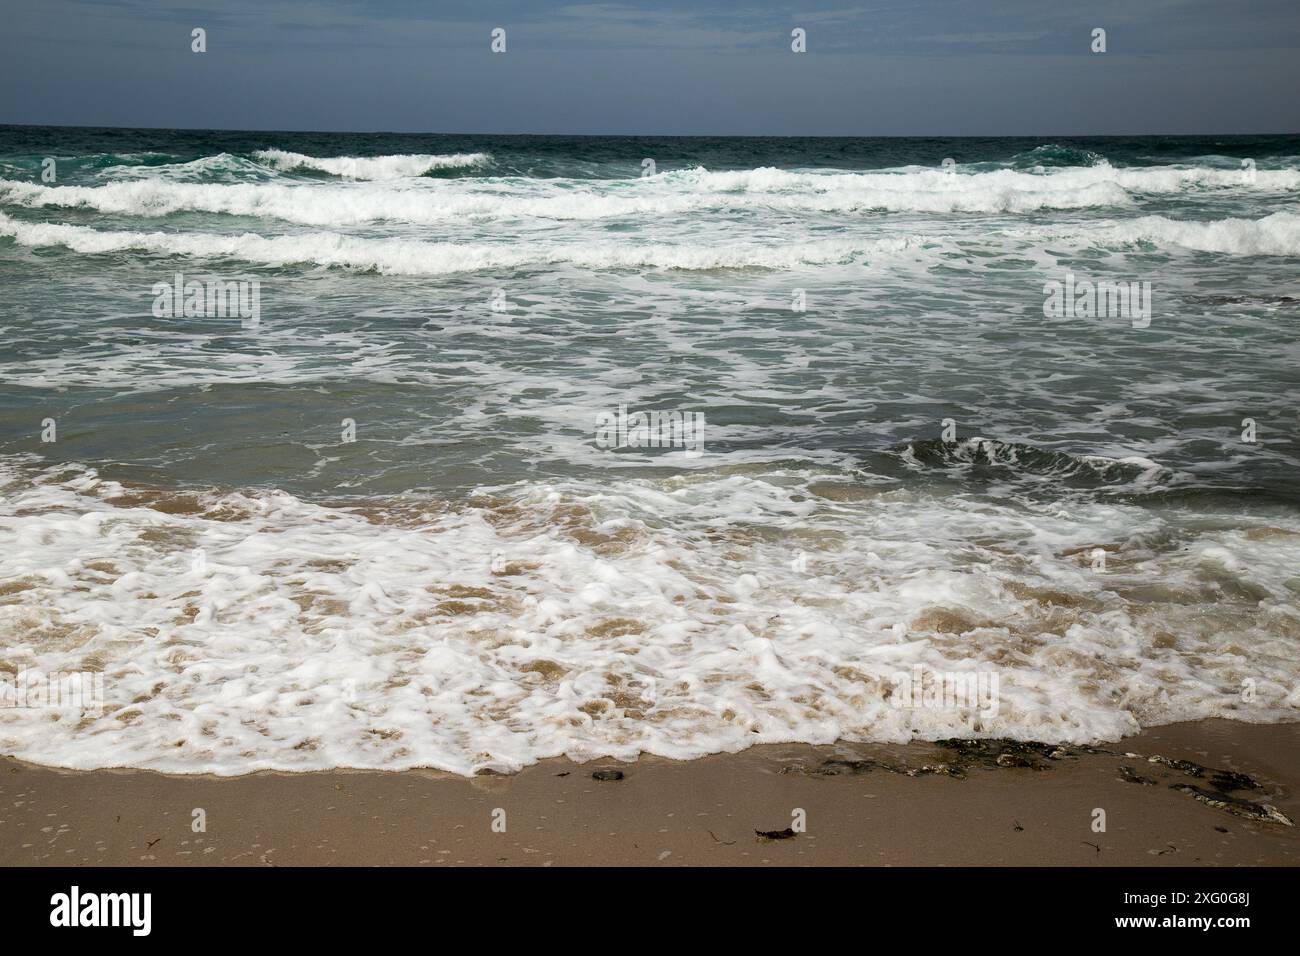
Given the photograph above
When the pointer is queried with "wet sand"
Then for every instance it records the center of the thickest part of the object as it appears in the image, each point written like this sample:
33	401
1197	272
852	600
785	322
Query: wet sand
964	807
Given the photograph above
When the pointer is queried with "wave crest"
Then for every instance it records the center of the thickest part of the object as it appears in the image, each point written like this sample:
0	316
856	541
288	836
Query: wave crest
400	166
412	257
1055	155
1023	460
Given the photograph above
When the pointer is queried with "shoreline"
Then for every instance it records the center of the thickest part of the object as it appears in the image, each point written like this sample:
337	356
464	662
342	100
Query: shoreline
944	803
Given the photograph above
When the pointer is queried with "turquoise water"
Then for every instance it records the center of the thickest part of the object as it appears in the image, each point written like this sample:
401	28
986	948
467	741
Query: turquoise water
902	459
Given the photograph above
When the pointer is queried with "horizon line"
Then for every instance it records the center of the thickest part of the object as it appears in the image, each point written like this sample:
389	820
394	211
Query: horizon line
390	132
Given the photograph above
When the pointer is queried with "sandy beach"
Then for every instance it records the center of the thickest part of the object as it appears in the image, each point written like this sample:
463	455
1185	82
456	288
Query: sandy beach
989	804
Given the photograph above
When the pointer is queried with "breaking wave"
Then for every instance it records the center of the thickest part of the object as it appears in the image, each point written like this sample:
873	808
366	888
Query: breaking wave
1012	458
230	185
411	257
1274	235
370	167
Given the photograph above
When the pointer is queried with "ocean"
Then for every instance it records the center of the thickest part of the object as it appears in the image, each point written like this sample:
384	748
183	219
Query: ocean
461	452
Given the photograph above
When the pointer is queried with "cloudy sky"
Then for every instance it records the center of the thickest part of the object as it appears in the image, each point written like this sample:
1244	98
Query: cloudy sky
900	67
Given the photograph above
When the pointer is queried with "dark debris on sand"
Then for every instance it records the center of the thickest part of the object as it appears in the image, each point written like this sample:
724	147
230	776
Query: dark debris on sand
1129	775
1261	812
966	755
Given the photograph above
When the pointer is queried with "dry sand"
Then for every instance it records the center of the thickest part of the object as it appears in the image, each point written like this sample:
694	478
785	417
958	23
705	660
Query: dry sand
667	813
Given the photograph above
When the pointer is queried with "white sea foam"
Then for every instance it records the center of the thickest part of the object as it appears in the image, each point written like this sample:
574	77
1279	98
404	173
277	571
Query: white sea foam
1144	178
334	205
163	190
680	617
1274	235
409	257
222	167
398	166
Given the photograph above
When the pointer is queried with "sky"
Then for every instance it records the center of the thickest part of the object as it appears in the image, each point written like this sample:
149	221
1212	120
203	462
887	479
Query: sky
896	68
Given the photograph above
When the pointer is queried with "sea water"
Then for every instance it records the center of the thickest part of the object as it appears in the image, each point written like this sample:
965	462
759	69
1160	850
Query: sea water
534	447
